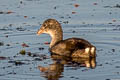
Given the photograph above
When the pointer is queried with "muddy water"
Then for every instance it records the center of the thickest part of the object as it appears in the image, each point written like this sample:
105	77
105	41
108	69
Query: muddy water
95	21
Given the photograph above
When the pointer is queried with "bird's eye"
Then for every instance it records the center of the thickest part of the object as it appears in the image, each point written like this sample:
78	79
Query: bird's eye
44	25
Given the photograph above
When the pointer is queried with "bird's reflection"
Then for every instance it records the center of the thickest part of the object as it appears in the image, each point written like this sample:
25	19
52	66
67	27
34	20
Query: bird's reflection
54	70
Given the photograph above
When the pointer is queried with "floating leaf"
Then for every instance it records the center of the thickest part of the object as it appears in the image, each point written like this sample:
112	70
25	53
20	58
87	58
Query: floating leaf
114	20
47	43
76	5
73	12
24	45
25	16
95	3
9	12
2	58
23	52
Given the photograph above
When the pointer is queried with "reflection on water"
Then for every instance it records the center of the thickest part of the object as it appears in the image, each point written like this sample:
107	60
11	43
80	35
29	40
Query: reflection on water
54	70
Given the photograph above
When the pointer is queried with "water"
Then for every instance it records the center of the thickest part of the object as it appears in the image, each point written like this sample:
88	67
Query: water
92	21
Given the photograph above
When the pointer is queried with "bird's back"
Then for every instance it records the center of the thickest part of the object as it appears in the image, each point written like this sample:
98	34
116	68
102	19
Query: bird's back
70	45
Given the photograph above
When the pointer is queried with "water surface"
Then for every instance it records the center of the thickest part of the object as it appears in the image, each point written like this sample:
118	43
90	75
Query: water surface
96	21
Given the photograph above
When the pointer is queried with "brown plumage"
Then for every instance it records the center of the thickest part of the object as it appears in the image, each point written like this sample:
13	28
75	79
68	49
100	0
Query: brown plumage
71	47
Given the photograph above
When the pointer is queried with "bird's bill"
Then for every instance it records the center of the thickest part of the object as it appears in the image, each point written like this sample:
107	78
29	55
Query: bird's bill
39	32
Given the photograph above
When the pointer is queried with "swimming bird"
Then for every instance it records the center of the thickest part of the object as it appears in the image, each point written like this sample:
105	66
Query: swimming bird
71	47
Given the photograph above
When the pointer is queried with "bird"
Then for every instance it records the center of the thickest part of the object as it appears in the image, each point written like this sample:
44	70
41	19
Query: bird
71	47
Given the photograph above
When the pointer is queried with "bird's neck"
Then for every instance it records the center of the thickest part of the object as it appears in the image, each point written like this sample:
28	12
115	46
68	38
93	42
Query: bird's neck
56	36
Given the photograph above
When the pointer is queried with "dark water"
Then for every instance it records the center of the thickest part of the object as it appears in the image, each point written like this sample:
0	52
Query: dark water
92	21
